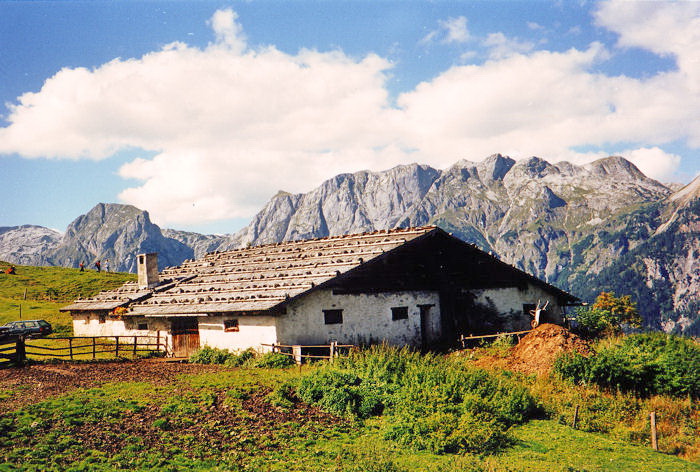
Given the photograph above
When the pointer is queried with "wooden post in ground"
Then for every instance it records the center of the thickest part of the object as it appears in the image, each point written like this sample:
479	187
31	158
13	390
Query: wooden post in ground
333	350
135	341
20	351
70	347
654	443
94	348
575	417
116	352
296	352
158	340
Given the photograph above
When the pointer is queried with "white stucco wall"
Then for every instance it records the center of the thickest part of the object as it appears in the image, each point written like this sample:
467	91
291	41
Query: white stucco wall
366	319
252	332
509	302
89	325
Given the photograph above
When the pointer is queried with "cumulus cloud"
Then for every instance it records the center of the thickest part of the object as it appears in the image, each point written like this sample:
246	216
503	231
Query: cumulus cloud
228	125
501	46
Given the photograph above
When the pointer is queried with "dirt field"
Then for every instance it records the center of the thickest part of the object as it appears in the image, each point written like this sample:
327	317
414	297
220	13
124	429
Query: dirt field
40	382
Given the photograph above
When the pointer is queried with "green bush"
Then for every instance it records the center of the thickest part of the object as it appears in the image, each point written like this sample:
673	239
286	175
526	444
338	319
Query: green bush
431	403
237	360
645	364
607	316
213	355
271	360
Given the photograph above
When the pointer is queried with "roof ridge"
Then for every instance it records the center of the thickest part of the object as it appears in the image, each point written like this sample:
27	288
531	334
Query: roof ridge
340	237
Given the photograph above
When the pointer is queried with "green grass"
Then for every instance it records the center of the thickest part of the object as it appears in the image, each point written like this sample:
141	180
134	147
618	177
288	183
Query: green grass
205	422
47	290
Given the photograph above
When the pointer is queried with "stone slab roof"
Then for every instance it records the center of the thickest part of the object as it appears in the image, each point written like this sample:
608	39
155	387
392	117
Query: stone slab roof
251	280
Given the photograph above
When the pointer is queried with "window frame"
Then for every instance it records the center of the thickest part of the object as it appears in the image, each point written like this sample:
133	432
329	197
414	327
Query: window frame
233	325
399	313
333	316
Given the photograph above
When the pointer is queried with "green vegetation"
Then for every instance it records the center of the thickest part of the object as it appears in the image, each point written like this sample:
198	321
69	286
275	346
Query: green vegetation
385	410
230	420
247	358
47	290
607	315
646	364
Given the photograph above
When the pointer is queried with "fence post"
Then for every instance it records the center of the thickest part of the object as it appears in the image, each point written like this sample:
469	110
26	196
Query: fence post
575	417
296	352
333	349
94	346
116	354
158	340
654	443
20	351
135	341
70	347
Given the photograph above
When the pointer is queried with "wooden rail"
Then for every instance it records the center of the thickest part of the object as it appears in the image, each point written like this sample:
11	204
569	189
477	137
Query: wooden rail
16	352
463	338
296	350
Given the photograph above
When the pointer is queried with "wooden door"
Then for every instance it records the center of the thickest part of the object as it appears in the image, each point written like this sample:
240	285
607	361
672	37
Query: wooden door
185	333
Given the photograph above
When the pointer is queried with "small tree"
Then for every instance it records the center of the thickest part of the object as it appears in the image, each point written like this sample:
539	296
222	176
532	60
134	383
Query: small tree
607	315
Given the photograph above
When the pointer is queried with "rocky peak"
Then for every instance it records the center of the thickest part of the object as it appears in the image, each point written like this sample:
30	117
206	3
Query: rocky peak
533	168
494	167
688	193
617	167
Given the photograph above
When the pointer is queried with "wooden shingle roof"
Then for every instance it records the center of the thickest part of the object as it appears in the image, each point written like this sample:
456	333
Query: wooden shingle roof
253	279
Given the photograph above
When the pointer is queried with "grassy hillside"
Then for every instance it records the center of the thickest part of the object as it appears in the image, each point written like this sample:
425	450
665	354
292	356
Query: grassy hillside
39	292
237	419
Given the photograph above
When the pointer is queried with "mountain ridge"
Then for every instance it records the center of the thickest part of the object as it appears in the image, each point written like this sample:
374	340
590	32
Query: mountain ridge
570	225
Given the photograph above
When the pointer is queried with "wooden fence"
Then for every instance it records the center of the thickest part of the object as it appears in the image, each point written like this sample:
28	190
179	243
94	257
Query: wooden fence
297	351
80	347
464	340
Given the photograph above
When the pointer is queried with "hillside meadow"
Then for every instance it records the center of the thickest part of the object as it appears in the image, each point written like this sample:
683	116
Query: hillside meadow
382	409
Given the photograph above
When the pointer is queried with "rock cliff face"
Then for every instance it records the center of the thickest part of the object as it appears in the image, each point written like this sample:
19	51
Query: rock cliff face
603	226
27	244
108	232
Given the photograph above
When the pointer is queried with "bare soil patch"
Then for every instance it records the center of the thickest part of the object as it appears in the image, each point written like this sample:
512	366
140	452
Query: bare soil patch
39	382
537	351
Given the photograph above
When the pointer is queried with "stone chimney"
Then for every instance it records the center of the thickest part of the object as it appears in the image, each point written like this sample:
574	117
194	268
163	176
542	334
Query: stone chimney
148	270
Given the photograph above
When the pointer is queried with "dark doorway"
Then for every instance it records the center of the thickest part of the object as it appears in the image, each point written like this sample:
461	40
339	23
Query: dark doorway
426	334
185	333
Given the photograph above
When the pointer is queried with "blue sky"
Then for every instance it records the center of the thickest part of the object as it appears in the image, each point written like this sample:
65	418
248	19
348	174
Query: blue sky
200	111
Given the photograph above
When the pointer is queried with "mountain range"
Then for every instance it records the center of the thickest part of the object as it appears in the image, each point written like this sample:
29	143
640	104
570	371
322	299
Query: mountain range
601	226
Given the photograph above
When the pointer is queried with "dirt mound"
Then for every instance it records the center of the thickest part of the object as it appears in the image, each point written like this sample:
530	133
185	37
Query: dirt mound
536	352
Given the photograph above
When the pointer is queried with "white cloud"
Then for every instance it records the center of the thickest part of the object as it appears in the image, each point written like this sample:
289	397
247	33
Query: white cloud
456	30
230	125
228	32
501	46
452	30
654	162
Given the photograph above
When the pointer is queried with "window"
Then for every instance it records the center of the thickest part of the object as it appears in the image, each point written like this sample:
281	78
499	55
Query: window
102	318
399	313
333	316
143	326
231	326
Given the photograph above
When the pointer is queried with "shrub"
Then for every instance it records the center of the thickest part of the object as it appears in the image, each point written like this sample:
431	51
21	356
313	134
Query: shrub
607	315
211	355
271	360
645	364
237	360
432	403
